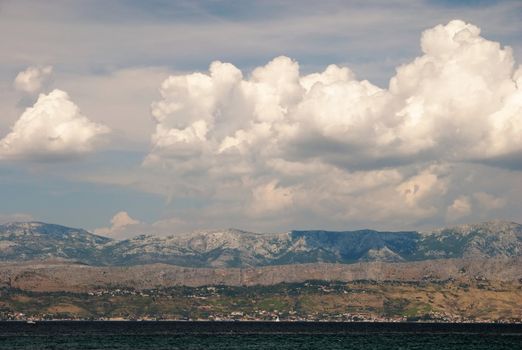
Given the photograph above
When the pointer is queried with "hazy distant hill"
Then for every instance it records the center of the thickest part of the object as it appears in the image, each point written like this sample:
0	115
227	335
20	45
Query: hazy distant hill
35	241
234	248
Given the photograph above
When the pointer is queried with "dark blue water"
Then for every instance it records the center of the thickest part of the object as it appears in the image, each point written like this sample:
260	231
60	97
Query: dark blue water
257	335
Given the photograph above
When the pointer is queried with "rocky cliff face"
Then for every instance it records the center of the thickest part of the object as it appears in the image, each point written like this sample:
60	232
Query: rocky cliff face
236	248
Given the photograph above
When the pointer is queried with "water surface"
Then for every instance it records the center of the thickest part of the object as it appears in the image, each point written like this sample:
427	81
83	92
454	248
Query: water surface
257	335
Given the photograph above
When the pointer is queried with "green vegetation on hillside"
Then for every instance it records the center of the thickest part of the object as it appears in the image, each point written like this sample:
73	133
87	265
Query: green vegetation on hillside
448	301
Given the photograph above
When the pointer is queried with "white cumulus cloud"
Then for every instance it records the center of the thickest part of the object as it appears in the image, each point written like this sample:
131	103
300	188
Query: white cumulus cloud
277	139
33	79
458	101
54	128
460	207
123	226
120	224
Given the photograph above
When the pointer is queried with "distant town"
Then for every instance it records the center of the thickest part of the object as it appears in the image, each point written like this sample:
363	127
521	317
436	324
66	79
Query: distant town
360	301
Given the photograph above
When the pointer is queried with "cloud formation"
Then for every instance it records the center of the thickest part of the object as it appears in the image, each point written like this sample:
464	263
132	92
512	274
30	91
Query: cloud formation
53	128
123	226
33	79
121	223
334	145
460	101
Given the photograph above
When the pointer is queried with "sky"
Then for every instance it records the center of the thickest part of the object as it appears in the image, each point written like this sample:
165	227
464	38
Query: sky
161	117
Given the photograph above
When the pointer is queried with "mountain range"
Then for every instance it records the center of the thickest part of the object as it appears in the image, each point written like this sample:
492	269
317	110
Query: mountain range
37	241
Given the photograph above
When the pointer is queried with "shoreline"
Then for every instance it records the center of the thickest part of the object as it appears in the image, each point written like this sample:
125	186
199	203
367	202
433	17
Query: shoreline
261	321
203	328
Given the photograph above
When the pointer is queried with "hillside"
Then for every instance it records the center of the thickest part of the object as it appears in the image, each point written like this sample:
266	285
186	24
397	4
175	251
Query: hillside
60	276
38	241
445	301
235	248
464	273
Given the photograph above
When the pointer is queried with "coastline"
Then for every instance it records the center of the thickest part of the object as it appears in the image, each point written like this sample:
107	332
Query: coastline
254	327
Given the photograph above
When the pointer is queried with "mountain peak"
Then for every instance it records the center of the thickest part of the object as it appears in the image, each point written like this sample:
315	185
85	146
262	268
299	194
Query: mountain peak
23	224
40	226
238	248
499	224
485	226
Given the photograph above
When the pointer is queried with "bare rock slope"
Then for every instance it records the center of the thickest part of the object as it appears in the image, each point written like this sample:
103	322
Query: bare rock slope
239	249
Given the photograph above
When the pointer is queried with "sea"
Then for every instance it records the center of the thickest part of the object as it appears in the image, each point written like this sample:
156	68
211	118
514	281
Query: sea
256	335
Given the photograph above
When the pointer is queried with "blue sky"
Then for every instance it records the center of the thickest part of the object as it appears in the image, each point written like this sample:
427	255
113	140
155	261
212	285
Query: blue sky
176	155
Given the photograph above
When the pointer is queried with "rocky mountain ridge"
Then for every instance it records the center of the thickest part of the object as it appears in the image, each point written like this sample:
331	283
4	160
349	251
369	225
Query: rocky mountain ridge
235	248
